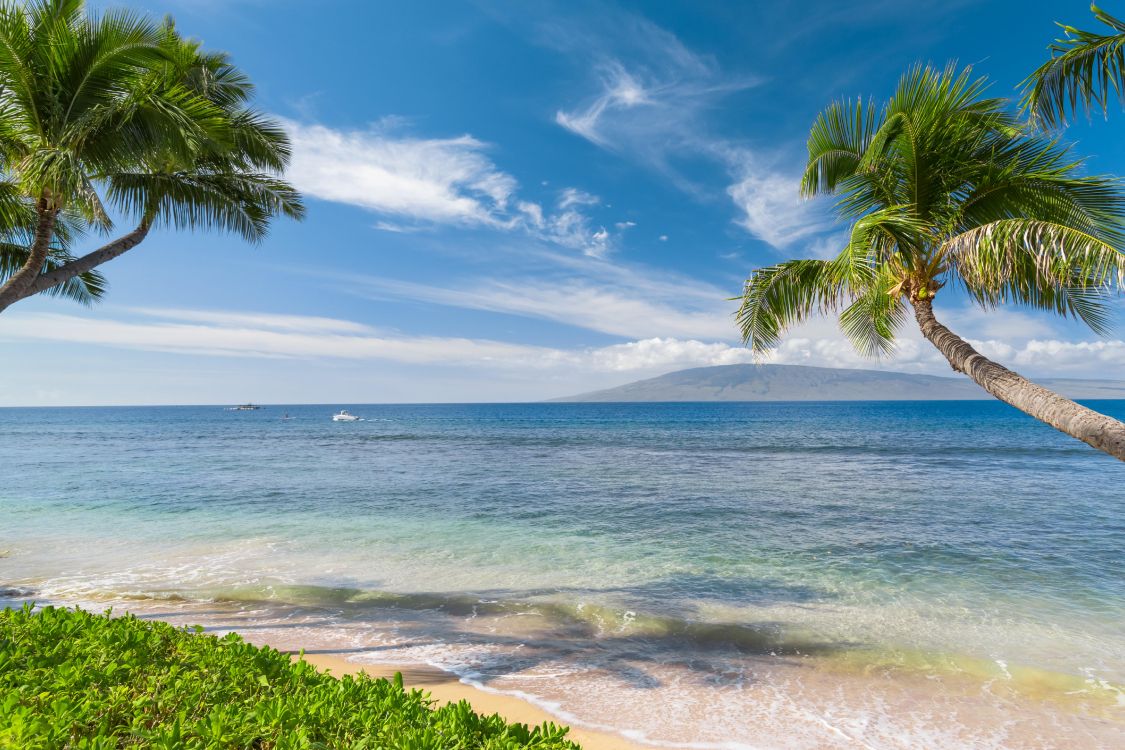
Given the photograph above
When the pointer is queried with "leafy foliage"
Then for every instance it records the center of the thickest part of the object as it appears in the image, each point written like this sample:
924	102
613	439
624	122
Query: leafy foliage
943	186
1086	71
114	114
71	679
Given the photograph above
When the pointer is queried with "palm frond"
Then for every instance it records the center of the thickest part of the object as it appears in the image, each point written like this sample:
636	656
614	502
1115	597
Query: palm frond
1014	254
1086	71
870	323
109	108
239	202
1035	179
943	187
259	143
778	297
837	142
1080	298
875	239
106	52
17	45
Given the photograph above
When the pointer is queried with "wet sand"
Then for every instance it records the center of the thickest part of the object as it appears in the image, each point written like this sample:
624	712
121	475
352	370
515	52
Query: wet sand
535	669
446	687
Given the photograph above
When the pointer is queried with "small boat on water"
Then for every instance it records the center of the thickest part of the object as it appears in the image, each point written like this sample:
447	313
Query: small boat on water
245	407
344	416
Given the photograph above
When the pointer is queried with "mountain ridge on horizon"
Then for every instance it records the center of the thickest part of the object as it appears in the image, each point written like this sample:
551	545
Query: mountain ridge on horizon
767	382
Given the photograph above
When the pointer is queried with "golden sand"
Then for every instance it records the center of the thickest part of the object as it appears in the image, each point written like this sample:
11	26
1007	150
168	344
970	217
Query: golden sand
445	687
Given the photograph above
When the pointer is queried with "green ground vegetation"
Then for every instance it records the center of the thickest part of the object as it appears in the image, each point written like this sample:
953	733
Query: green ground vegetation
72	679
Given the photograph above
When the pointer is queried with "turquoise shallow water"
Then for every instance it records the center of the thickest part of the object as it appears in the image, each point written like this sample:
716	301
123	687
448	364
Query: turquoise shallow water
703	551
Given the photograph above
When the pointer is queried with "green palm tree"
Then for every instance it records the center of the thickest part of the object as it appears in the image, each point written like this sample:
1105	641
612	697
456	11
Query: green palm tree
116	114
1086	70
945	189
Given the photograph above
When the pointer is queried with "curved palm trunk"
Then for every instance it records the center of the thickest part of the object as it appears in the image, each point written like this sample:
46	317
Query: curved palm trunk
91	260
15	288
1098	430
44	281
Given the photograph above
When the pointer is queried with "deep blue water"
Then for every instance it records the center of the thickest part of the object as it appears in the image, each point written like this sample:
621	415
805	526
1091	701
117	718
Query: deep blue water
900	492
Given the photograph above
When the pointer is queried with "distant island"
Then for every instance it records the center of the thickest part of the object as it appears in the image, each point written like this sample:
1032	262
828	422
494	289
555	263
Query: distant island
801	383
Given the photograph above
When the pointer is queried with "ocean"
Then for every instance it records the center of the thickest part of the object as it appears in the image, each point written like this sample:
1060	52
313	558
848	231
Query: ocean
721	575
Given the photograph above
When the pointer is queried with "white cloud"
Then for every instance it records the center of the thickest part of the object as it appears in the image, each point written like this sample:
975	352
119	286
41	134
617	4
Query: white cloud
258	335
653	110
570	227
339	357
638	308
666	354
420	182
440	180
1021	343
266	321
1074	357
621	91
652	114
388	226
533	213
770	205
1005	324
253	335
622	299
650	94
651	101
569	197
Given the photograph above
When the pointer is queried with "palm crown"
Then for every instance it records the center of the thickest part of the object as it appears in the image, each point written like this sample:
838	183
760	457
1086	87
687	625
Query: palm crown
115	114
943	187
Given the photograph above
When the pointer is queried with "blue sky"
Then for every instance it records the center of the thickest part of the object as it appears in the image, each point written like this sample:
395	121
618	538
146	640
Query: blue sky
512	201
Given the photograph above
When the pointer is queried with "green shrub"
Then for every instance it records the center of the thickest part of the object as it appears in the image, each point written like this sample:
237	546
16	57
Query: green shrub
71	679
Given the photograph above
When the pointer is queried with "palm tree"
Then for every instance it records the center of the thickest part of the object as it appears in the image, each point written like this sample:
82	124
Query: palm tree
943	188
1086	69
116	114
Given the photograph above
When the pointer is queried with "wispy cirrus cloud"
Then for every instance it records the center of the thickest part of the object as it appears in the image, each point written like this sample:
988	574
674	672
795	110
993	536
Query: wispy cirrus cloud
651	91
569	225
417	183
264	321
654	108
772	210
622	94
618	310
441	180
263	335
608	296
255	335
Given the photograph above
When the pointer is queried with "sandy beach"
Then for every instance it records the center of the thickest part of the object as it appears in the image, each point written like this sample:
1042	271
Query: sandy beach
446	687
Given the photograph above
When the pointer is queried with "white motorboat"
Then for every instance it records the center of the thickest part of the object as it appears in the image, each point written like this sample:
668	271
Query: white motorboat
344	416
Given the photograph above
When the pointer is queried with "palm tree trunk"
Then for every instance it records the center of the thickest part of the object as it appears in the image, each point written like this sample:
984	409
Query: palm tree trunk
1102	432
87	262
16	286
